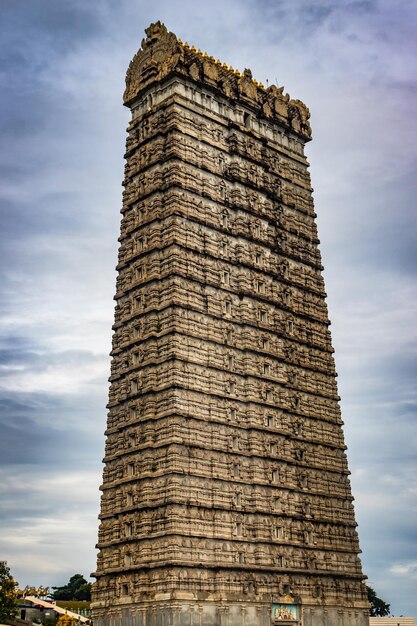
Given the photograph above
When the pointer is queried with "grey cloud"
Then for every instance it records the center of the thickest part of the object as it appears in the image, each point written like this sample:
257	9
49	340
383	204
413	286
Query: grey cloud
15	438
57	214
49	26
63	69
43	430
44	509
384	234
31	353
35	493
36	36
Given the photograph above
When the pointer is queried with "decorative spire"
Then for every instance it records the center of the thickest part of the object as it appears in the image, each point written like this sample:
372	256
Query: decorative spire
162	53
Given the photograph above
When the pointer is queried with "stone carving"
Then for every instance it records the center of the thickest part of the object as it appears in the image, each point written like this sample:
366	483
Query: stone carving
194	71
159	55
225	487
210	71
246	86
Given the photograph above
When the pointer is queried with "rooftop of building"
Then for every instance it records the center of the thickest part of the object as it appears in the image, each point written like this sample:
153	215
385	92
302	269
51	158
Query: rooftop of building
162	54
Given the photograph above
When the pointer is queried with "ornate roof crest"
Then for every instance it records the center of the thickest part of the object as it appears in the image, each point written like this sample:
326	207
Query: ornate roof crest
161	53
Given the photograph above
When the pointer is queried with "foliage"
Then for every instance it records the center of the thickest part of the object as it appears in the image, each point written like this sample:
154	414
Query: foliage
74	605
66	620
379	608
8	596
77	588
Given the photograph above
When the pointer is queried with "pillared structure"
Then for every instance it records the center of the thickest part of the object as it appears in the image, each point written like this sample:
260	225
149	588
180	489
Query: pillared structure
226	498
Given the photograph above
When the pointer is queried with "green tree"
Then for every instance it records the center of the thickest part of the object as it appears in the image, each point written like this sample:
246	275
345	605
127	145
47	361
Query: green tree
8	596
379	608
77	588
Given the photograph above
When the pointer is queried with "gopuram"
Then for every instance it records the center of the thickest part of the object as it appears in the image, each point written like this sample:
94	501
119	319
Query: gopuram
226	498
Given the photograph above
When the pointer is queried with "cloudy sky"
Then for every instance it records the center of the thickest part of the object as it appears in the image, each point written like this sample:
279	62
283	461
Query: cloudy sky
62	127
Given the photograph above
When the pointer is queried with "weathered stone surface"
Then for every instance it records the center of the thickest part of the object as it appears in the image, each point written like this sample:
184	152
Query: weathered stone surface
226	488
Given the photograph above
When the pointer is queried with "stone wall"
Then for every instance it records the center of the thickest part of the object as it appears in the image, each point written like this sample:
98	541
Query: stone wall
226	487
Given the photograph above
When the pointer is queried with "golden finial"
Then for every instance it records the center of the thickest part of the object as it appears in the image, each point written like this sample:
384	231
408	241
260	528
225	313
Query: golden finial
180	41
199	52
261	85
231	69
186	45
224	66
193	49
212	59
218	62
205	55
255	82
238	74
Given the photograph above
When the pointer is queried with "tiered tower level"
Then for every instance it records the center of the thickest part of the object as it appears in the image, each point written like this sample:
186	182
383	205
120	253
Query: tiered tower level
226	496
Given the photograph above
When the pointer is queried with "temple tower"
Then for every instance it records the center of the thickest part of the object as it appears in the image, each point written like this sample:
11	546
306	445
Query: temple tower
226	496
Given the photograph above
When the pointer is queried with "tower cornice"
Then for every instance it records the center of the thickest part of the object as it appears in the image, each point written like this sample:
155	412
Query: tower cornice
162	54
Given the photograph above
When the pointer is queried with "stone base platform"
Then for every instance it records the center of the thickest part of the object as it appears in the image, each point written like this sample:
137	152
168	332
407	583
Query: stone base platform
195	613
